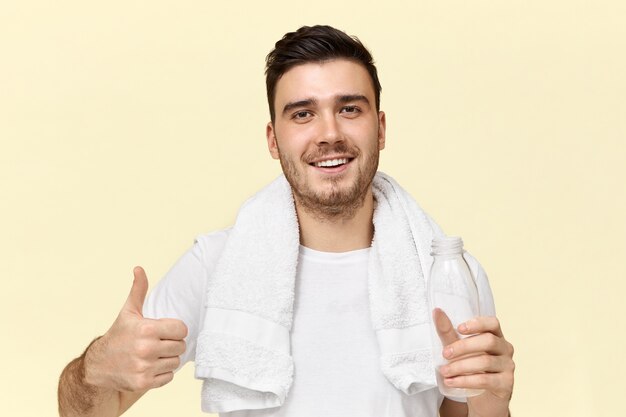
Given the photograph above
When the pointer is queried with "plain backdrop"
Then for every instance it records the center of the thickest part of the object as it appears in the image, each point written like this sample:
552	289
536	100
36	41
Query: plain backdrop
128	128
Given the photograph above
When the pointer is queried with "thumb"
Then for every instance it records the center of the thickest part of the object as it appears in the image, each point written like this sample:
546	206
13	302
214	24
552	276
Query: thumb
134	302
444	326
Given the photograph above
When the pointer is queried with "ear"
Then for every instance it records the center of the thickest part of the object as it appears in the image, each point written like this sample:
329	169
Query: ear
382	126
272	146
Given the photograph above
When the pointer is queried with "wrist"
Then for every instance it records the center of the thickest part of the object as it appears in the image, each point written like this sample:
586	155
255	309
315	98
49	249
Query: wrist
492	412
87	362
488	405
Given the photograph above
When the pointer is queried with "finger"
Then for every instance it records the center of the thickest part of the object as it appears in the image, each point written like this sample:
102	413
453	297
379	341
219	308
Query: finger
162	379
134	302
164	365
171	329
444	327
500	384
477	344
481	325
473	365
171	348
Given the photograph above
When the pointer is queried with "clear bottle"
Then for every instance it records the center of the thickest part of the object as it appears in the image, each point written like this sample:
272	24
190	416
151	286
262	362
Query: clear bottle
452	289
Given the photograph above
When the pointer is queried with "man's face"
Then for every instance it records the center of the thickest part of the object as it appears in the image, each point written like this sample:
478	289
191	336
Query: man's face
327	134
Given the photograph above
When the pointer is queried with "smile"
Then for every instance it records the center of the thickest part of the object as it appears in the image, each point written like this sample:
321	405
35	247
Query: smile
329	163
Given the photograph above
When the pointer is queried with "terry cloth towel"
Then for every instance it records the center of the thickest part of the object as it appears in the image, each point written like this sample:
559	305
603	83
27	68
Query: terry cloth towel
243	350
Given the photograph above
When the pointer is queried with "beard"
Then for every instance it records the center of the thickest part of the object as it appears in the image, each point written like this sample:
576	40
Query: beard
335	201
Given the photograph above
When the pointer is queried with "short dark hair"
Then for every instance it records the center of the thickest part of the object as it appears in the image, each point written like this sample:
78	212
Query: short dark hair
315	44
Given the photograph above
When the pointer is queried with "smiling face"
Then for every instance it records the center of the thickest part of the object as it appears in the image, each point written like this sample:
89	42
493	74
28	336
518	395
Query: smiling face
327	134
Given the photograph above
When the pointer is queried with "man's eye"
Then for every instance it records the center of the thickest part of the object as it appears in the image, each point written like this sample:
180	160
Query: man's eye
301	114
350	109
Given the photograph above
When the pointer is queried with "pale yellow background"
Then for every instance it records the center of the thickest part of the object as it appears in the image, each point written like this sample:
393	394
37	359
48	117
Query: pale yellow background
127	128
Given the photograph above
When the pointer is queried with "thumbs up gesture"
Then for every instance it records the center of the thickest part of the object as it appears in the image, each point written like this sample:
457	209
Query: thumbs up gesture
136	353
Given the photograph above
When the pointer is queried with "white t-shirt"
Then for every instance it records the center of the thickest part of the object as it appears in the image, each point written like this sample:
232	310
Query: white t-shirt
333	345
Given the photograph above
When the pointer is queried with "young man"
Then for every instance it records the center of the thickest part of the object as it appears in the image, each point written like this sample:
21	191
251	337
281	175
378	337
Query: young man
320	340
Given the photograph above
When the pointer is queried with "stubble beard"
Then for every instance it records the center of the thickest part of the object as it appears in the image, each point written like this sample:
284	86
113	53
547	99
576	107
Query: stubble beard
338	202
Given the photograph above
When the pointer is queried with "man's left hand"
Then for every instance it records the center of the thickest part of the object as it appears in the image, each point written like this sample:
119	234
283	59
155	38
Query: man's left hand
484	360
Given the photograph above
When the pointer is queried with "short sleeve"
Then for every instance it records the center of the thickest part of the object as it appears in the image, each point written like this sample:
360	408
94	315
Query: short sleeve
181	293
485	296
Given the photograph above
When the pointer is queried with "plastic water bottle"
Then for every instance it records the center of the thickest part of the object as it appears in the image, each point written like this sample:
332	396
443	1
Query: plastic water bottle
451	288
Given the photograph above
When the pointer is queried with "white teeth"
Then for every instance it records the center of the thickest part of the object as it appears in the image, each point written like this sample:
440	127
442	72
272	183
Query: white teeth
332	162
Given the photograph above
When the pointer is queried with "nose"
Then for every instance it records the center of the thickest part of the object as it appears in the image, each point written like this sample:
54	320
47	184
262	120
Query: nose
330	130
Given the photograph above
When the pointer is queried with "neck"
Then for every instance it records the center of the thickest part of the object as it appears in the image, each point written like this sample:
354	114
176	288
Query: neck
337	234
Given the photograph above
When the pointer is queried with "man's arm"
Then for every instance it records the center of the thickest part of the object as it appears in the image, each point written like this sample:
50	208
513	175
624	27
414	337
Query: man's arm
450	408
482	361
135	355
79	398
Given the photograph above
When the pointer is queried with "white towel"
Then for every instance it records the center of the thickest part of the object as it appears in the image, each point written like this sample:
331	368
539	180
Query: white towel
243	351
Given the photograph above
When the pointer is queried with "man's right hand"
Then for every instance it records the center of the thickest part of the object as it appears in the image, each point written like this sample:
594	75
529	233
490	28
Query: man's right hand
136	353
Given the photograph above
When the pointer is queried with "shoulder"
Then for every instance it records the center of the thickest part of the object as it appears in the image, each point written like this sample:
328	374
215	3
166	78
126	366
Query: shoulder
209	247
179	294
186	279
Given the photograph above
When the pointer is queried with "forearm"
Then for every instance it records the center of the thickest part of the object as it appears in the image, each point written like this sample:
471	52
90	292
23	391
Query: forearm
79	398
494	407
505	413
451	408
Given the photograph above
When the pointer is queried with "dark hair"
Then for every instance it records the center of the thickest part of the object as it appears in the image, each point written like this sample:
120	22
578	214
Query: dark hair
315	44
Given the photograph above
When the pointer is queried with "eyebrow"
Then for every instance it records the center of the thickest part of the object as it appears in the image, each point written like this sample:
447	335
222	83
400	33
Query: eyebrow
346	98
300	103
341	99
